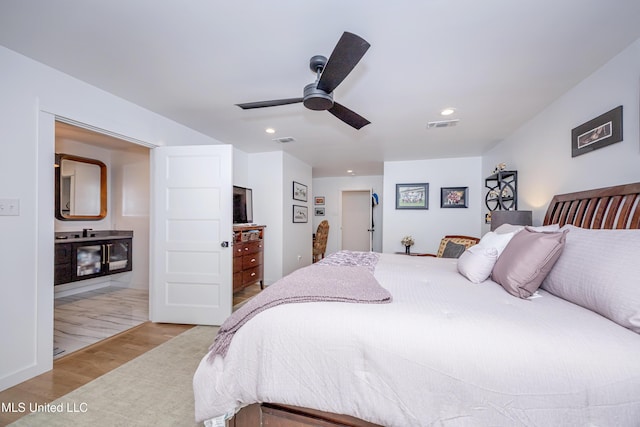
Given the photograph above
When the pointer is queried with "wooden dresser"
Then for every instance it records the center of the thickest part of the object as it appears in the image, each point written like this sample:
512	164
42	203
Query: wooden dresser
248	256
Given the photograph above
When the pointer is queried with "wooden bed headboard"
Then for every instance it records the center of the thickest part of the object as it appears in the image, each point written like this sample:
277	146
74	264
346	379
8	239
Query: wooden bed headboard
610	207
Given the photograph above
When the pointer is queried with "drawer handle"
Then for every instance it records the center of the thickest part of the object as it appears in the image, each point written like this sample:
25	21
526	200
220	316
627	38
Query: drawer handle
253	274
253	260
246	249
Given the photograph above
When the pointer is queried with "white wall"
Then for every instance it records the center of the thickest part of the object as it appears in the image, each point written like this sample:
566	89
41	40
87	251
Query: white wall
298	237
429	226
240	168
265	179
287	245
541	150
130	202
331	189
32	95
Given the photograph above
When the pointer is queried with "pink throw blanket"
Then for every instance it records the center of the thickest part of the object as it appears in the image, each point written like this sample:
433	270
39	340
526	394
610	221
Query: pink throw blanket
353	284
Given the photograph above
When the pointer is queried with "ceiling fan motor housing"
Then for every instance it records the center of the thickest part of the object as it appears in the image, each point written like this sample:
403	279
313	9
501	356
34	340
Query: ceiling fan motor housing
317	99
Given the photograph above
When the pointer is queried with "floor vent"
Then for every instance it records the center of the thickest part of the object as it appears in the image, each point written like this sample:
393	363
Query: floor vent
442	124
284	140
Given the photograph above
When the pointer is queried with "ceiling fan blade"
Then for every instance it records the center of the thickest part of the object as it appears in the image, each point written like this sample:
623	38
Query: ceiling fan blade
349	117
272	103
345	56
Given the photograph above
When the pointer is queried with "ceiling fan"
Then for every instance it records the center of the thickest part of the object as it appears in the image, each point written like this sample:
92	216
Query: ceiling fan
329	74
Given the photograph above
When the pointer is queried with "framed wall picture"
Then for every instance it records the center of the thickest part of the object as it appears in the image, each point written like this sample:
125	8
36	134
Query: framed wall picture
454	197
318	200
300	213
597	133
319	211
299	191
412	196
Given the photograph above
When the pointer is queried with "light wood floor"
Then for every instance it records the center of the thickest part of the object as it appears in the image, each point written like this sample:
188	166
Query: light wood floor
78	368
82	366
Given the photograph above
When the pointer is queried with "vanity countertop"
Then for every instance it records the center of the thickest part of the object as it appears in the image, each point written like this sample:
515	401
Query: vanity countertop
76	236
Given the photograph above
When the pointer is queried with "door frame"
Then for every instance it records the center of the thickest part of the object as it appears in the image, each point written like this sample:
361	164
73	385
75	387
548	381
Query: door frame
354	190
45	233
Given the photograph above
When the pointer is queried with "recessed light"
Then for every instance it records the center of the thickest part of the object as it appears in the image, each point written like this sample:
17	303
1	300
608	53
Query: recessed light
349	171
270	130
447	111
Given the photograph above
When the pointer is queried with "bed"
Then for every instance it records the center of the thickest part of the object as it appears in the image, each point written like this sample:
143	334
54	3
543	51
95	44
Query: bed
448	351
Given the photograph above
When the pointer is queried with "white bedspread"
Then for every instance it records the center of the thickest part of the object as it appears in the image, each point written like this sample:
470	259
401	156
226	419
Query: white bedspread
444	352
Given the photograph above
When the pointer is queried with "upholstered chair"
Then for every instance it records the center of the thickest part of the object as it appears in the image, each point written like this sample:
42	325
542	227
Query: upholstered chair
320	242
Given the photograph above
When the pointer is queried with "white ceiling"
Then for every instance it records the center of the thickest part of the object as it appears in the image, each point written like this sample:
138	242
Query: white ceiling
498	62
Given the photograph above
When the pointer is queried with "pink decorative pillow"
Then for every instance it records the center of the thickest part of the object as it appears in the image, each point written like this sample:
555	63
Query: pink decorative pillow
527	260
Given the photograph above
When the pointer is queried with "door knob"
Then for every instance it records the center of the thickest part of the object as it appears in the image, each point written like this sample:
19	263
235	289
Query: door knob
224	244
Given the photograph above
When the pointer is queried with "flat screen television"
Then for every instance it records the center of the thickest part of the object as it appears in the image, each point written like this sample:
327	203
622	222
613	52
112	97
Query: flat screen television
242	205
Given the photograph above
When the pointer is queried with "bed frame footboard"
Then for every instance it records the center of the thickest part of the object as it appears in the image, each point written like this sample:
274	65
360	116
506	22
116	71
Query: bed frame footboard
274	415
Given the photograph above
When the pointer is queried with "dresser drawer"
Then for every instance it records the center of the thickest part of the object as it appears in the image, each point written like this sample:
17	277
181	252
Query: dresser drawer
252	260
251	275
251	247
237	281
237	264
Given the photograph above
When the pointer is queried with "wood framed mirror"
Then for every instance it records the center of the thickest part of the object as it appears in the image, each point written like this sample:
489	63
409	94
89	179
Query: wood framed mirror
80	188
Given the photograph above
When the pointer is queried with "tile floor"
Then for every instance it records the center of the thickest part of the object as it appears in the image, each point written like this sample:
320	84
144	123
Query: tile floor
88	317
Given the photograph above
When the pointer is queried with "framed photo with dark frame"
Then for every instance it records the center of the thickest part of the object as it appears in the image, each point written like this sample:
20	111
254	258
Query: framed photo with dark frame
299	191
454	197
597	133
300	213
412	196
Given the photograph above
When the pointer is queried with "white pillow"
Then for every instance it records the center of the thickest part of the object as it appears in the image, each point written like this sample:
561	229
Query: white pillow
476	263
508	228
600	270
495	240
545	228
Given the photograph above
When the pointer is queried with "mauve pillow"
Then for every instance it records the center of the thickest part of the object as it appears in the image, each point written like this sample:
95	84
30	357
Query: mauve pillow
600	270
477	262
527	260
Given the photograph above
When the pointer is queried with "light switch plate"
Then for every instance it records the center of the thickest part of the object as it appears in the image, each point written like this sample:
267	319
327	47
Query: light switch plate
9	207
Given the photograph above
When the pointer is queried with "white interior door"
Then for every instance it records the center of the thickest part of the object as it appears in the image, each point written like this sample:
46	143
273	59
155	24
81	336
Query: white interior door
190	268
356	220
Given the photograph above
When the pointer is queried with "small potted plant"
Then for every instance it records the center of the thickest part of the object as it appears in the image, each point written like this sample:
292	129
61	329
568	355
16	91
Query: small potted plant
407	241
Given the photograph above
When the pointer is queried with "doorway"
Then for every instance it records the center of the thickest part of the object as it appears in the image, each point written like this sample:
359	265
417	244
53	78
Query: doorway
91	310
356	224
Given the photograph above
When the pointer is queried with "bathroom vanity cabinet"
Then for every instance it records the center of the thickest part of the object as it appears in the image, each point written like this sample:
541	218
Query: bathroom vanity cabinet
81	258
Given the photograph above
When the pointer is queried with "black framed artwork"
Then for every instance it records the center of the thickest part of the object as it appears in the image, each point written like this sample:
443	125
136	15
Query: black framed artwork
454	197
300	213
412	196
604	130
299	192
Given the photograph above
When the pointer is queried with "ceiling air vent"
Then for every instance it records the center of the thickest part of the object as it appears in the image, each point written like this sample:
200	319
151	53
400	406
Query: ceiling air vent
284	140
442	124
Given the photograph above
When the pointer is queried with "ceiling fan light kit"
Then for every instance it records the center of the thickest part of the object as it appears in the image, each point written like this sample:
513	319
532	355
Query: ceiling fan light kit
318	96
